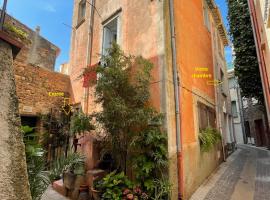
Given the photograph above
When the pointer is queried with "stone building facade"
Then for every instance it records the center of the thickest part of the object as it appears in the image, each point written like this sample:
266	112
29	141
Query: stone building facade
237	108
38	85
13	174
143	28
255	122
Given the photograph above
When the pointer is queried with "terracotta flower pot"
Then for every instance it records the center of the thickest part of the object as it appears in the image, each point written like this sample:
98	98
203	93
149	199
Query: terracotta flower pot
69	180
95	194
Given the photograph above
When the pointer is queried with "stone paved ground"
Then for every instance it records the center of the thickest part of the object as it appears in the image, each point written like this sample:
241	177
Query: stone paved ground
245	176
50	194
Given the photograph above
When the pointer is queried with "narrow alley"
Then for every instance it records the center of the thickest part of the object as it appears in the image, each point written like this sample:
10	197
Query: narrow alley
245	176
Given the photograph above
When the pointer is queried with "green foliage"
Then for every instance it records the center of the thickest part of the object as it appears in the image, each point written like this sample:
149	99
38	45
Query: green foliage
208	138
112	186
16	31
37	174
73	162
123	91
246	62
80	122
150	159
162	189
132	126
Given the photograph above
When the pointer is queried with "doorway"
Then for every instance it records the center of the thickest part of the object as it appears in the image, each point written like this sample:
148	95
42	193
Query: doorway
259	130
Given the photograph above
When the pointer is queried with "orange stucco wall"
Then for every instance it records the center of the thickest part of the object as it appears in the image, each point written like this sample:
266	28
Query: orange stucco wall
144	30
194	50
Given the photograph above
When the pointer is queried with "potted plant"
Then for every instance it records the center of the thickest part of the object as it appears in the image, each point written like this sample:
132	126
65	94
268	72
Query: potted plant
74	173
95	193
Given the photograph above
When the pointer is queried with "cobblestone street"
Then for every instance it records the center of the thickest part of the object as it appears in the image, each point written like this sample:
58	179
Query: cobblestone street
245	176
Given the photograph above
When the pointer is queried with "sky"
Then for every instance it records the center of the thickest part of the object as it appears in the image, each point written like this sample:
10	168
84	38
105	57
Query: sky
51	14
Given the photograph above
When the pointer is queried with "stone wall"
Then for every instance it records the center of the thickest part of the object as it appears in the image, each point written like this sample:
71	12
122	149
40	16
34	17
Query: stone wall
35	86
34	73
37	51
13	175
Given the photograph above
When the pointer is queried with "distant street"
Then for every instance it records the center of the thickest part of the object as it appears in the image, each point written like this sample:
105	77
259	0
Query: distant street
245	176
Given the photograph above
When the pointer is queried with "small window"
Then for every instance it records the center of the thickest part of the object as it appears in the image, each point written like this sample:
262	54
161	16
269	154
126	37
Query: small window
206	15
232	82
207	116
234	109
223	88
219	45
110	35
82	11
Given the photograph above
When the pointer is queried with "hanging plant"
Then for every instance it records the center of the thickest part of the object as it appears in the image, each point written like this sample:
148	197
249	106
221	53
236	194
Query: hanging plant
208	138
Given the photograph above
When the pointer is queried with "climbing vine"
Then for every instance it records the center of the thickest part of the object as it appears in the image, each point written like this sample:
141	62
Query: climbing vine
246	62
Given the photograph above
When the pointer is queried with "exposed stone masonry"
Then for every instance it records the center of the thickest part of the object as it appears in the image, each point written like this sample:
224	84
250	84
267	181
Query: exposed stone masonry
13	175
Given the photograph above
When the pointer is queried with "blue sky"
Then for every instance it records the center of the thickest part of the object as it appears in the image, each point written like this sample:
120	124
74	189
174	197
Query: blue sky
224	10
50	16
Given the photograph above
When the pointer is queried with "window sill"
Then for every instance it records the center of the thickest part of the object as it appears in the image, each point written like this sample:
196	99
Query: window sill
80	23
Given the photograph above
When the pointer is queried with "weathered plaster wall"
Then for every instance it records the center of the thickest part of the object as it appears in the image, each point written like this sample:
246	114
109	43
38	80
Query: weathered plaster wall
135	31
13	174
142	31
194	50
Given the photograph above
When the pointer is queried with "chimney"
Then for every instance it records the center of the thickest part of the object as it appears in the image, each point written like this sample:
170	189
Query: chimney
38	30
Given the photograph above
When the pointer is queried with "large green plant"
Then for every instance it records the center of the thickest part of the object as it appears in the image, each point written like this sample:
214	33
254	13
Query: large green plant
123	91
36	165
132	126
246	62
150	157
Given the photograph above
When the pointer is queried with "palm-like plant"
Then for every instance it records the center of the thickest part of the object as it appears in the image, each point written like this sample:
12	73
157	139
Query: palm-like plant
71	163
36	165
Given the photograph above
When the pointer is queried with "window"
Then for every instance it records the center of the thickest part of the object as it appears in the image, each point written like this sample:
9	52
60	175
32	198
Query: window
223	89
232	82
219	45
234	109
206	15
82	10
207	116
110	34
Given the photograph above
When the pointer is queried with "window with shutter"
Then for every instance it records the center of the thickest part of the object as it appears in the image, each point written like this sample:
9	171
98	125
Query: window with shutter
207	116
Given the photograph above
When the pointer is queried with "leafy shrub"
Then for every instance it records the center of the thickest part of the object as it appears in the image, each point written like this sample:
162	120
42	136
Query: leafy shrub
113	185
152	158
208	138
80	122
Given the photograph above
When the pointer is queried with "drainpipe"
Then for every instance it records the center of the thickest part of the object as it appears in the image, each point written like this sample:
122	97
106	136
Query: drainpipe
177	98
89	53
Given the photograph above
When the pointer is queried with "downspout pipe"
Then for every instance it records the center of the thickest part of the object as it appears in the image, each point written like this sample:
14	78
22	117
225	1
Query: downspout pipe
176	97
89	52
